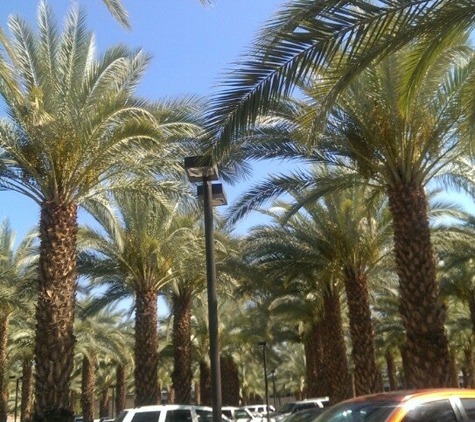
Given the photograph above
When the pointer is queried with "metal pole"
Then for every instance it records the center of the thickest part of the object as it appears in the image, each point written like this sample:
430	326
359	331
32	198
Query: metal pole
212	301
273	387
264	345
16	396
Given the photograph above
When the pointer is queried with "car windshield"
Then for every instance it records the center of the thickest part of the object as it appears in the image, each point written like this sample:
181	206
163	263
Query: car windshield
368	411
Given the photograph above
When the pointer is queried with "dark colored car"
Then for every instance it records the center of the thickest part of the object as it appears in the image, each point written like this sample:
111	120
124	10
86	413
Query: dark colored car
295	406
306	415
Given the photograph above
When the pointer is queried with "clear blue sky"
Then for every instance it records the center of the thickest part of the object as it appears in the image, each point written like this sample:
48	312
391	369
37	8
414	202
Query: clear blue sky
191	46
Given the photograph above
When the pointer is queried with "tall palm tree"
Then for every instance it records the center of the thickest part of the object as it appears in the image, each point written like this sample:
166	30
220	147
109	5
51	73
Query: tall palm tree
16	292
397	140
133	257
355	233
74	129
301	267
100	336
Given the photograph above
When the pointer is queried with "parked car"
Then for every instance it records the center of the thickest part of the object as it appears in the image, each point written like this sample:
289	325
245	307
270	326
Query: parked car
294	406
305	415
434	405
240	414
168	413
260	409
159	413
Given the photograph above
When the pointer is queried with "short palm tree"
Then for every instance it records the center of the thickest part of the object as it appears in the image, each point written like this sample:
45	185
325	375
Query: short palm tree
74	130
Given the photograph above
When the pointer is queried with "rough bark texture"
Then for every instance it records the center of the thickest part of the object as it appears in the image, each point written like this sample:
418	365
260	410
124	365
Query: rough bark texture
205	383
104	403
229	381
366	375
182	374
469	367
146	348
57	282
26	391
422	312
316	380
337	375
3	367
391	368
88	382
120	390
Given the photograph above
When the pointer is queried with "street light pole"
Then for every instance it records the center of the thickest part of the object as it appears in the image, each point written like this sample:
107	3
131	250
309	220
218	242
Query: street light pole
200	169
273	387
263	344
212	302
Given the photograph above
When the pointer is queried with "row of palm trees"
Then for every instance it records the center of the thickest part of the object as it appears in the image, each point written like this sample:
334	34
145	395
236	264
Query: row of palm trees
370	137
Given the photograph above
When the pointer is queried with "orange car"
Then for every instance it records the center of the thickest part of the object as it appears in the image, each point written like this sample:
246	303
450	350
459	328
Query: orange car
434	405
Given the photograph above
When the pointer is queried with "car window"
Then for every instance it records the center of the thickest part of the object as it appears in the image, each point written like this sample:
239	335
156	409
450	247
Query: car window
146	416
227	413
302	406
358	412
241	414
440	411
469	406
178	415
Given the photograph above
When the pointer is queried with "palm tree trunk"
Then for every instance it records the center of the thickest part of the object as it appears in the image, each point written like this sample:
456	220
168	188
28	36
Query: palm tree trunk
366	374
120	389
391	367
146	348
3	366
87	388
104	403
182	374
205	383
229	381
57	282
422	312
315	370
469	381
26	390
337	375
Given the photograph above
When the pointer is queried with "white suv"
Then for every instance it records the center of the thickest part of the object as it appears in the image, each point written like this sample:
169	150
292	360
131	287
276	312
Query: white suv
166	413
240	414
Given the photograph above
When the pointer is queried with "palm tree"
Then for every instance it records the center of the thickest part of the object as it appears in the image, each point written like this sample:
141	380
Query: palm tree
134	258
74	130
301	267
16	292
355	233
100	336
395	139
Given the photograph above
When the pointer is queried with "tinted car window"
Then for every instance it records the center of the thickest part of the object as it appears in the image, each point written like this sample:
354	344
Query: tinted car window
301	406
178	415
358	412
146	417
469	406
440	411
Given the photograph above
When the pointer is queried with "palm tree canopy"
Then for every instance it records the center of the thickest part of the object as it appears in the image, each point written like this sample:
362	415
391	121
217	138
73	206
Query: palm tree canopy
72	119
334	39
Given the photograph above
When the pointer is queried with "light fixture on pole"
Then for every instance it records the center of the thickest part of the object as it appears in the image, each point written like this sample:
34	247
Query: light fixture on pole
263	344
200	169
